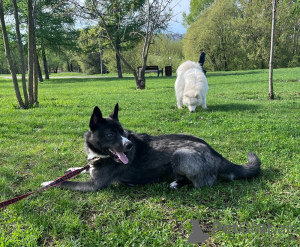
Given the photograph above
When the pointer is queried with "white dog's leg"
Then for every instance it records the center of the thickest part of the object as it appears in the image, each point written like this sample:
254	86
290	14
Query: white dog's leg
179	91
179	104
179	97
204	102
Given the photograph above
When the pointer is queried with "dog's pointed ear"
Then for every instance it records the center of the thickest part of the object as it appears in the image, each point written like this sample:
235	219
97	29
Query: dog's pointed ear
96	118
114	114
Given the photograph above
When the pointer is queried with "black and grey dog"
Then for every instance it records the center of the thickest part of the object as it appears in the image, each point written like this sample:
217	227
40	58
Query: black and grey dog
122	156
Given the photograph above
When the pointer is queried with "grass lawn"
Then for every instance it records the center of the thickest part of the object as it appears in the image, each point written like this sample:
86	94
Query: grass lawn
39	144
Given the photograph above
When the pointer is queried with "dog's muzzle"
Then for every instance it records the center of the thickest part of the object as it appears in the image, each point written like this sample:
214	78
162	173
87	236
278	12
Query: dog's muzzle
126	144
121	156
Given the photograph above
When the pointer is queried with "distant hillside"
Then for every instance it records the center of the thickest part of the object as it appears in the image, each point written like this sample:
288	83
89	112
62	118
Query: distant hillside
175	36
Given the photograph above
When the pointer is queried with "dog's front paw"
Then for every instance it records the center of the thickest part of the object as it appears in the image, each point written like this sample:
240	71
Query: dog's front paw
46	183
174	185
179	105
177	184
72	169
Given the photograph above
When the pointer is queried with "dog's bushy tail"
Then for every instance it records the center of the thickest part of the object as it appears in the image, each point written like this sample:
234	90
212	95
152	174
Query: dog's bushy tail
232	171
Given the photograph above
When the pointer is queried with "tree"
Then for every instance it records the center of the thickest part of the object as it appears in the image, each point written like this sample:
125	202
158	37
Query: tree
287	39
153	17
241	32
32	57
156	15
274	7
196	9
9	58
21	52
117	23
116	17
214	31
31	97
166	51
55	29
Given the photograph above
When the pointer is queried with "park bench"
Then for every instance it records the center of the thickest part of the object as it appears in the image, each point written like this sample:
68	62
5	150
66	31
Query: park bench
150	69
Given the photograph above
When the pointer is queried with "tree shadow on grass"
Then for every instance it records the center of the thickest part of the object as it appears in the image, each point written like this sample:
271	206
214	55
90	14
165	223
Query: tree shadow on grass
236	73
62	80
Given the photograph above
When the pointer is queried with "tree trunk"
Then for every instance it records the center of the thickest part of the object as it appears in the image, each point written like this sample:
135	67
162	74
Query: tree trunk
39	71
35	78
271	93
9	59
21	52
35	61
119	66
35	74
213	60
225	63
110	37
30	53
141	83
45	62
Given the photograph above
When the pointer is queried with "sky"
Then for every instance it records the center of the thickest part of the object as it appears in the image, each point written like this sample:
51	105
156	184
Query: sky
180	7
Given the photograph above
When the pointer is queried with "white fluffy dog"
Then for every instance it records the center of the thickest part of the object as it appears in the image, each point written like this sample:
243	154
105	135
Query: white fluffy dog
191	86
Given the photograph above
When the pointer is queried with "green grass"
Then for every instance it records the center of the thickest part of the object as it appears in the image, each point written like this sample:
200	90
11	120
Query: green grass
39	144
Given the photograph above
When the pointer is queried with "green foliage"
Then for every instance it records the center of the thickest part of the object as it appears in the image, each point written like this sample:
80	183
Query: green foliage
89	43
55	31
165	51
39	144
14	50
196	8
213	32
119	22
287	43
236	35
161	48
255	33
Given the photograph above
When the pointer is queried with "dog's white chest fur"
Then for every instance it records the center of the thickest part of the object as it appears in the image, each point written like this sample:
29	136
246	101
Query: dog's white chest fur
92	155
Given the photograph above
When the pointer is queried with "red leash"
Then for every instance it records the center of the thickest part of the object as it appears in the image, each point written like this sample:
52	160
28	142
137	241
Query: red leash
66	177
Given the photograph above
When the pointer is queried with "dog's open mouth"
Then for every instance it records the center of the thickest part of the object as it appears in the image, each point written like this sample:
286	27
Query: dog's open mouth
119	155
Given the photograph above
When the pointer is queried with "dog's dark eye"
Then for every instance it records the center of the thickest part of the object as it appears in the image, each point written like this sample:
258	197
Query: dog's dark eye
110	135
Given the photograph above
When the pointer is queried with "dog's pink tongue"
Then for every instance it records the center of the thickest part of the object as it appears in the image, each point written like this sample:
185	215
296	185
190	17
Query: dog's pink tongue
122	157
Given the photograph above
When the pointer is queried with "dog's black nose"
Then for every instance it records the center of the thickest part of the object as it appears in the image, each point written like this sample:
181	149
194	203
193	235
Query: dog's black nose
128	146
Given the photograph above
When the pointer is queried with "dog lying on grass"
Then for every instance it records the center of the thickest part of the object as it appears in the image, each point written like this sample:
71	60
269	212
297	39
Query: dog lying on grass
118	155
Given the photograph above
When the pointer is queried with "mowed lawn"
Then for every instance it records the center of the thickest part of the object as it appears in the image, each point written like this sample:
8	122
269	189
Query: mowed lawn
39	144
